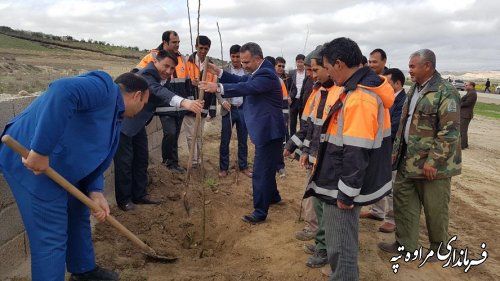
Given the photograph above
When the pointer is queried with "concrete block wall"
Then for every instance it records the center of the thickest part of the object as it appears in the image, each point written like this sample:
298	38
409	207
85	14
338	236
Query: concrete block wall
14	244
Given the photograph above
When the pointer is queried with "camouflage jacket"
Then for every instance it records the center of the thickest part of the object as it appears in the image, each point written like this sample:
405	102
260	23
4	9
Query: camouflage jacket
434	135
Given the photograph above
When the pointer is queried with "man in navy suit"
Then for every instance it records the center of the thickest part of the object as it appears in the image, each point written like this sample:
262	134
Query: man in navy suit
264	120
76	125
131	159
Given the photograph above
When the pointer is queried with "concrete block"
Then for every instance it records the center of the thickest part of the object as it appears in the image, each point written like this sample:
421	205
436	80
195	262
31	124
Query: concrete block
21	103
6	197
6	112
109	186
11	223
13	253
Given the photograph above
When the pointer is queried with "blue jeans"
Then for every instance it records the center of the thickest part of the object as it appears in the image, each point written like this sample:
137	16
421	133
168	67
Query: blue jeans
241	130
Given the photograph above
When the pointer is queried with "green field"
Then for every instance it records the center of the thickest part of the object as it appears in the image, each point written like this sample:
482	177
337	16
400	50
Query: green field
8	42
487	110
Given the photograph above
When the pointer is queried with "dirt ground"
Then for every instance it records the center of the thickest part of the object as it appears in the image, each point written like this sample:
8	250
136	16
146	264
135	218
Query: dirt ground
234	250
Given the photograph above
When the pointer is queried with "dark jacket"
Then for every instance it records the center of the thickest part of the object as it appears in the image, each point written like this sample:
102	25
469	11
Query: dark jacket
158	95
467	103
395	112
210	105
305	92
263	102
354	158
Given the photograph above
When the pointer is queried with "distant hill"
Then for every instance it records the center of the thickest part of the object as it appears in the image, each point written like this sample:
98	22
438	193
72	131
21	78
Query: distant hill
72	43
68	41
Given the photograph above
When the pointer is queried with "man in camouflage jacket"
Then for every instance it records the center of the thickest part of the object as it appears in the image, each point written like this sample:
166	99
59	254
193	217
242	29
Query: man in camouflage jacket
426	154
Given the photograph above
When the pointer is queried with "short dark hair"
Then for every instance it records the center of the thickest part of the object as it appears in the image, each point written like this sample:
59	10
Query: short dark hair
343	49
166	35
315	55
203	40
383	55
300	57
396	75
280	60
131	82
234	49
473	84
253	48
271	60
364	60
166	54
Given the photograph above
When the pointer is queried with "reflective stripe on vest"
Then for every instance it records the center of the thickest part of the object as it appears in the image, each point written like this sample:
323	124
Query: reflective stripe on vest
361	198
296	141
341	139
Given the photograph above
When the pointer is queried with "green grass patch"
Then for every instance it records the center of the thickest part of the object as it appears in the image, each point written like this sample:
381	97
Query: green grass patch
487	110
8	42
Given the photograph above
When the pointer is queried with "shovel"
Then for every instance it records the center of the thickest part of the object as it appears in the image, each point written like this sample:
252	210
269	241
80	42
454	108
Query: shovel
146	250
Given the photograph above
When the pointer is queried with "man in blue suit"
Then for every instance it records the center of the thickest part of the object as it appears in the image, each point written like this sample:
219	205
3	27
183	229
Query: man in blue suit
264	120
131	159
76	125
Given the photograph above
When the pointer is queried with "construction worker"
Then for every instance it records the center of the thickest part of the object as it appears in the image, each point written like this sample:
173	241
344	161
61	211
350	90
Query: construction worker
195	70
353	165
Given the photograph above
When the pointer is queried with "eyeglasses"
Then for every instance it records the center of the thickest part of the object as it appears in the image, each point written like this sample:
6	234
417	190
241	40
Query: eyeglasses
280	66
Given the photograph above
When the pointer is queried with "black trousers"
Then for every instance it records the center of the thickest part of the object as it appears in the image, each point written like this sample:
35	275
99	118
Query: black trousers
464	127
295	115
131	167
171	125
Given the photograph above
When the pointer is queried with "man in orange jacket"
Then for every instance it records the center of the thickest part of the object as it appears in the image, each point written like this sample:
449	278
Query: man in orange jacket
353	166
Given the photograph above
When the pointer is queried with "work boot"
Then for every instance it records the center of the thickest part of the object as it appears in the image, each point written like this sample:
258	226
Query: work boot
98	274
318	259
305	235
309	248
369	215
387	227
393	248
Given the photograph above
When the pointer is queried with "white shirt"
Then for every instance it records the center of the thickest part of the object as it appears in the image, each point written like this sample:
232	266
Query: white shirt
298	82
236	101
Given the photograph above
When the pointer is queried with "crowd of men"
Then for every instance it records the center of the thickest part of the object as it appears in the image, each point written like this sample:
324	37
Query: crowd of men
362	139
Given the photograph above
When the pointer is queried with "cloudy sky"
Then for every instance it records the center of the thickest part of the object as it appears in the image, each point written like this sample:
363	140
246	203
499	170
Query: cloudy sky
464	34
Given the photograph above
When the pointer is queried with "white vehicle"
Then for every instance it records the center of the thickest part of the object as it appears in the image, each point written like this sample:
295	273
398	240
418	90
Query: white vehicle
458	84
497	90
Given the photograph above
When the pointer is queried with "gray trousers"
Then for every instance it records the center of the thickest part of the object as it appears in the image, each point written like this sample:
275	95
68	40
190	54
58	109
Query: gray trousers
341	230
188	126
384	208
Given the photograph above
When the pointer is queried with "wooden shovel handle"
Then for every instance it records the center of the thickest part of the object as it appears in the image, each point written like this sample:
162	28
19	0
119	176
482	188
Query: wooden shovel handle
55	176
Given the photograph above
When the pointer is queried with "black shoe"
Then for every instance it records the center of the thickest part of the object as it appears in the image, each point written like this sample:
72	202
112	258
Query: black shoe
129	206
393	248
252	219
176	169
146	200
98	274
318	259
279	202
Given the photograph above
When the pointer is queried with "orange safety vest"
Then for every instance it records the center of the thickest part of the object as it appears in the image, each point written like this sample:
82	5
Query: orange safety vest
358	122
285	97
